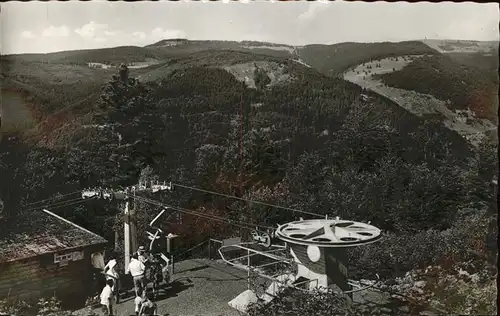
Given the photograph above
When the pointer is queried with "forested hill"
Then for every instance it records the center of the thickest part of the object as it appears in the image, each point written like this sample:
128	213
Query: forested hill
328	59
335	59
258	126
444	77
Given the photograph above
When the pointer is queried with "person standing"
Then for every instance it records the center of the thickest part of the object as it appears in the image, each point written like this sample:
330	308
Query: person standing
97	270
165	268
107	298
137	269
111	273
142	255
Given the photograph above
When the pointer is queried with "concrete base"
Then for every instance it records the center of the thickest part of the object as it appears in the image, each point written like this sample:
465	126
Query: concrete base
328	271
242	301
275	287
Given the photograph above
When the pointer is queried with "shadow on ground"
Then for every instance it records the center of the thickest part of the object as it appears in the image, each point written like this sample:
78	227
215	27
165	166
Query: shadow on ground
193	269
173	289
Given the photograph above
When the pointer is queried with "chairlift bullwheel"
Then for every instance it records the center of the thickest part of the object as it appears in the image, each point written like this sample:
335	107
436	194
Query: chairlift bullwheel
328	233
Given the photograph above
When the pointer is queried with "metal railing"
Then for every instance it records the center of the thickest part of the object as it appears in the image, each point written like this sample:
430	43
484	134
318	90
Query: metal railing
277	259
184	255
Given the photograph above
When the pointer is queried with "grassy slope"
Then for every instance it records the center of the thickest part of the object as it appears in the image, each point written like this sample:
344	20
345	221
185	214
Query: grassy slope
445	79
49	93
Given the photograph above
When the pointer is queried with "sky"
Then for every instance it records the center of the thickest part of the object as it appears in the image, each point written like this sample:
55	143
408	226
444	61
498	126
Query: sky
40	27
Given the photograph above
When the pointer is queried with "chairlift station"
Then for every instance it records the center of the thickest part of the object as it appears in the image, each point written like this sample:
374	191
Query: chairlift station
319	251
314	249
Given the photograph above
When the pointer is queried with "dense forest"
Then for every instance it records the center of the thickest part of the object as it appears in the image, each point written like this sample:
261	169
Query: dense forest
446	79
312	143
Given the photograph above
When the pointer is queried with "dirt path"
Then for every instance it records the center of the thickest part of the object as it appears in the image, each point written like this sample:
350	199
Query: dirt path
419	104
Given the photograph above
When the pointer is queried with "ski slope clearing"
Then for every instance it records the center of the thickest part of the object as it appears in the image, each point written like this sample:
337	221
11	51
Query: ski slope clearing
463	122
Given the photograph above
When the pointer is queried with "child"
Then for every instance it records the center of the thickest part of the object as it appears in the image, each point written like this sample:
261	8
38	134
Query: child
148	307
107	298
138	302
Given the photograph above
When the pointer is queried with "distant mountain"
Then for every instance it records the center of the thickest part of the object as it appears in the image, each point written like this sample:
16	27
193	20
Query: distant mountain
326	58
461	46
68	82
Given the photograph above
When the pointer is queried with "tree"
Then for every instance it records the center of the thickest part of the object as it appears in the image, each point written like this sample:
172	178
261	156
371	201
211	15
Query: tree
261	78
487	158
130	110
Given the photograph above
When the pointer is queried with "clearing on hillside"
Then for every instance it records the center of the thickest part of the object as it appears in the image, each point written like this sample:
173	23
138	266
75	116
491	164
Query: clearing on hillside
463	122
245	72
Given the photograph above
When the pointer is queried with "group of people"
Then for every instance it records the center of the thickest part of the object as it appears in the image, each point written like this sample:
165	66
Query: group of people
110	295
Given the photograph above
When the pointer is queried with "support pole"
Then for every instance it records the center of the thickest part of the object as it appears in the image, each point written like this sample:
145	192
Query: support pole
169	248
248	272
129	226
172	265
126	233
209	249
133	227
117	240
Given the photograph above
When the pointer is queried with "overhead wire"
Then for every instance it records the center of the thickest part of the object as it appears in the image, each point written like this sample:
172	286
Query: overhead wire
236	223
60	203
52	198
207	216
74	203
247	200
47	204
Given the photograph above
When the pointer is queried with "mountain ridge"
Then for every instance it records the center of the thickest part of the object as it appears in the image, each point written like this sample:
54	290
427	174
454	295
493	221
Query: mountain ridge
153	62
